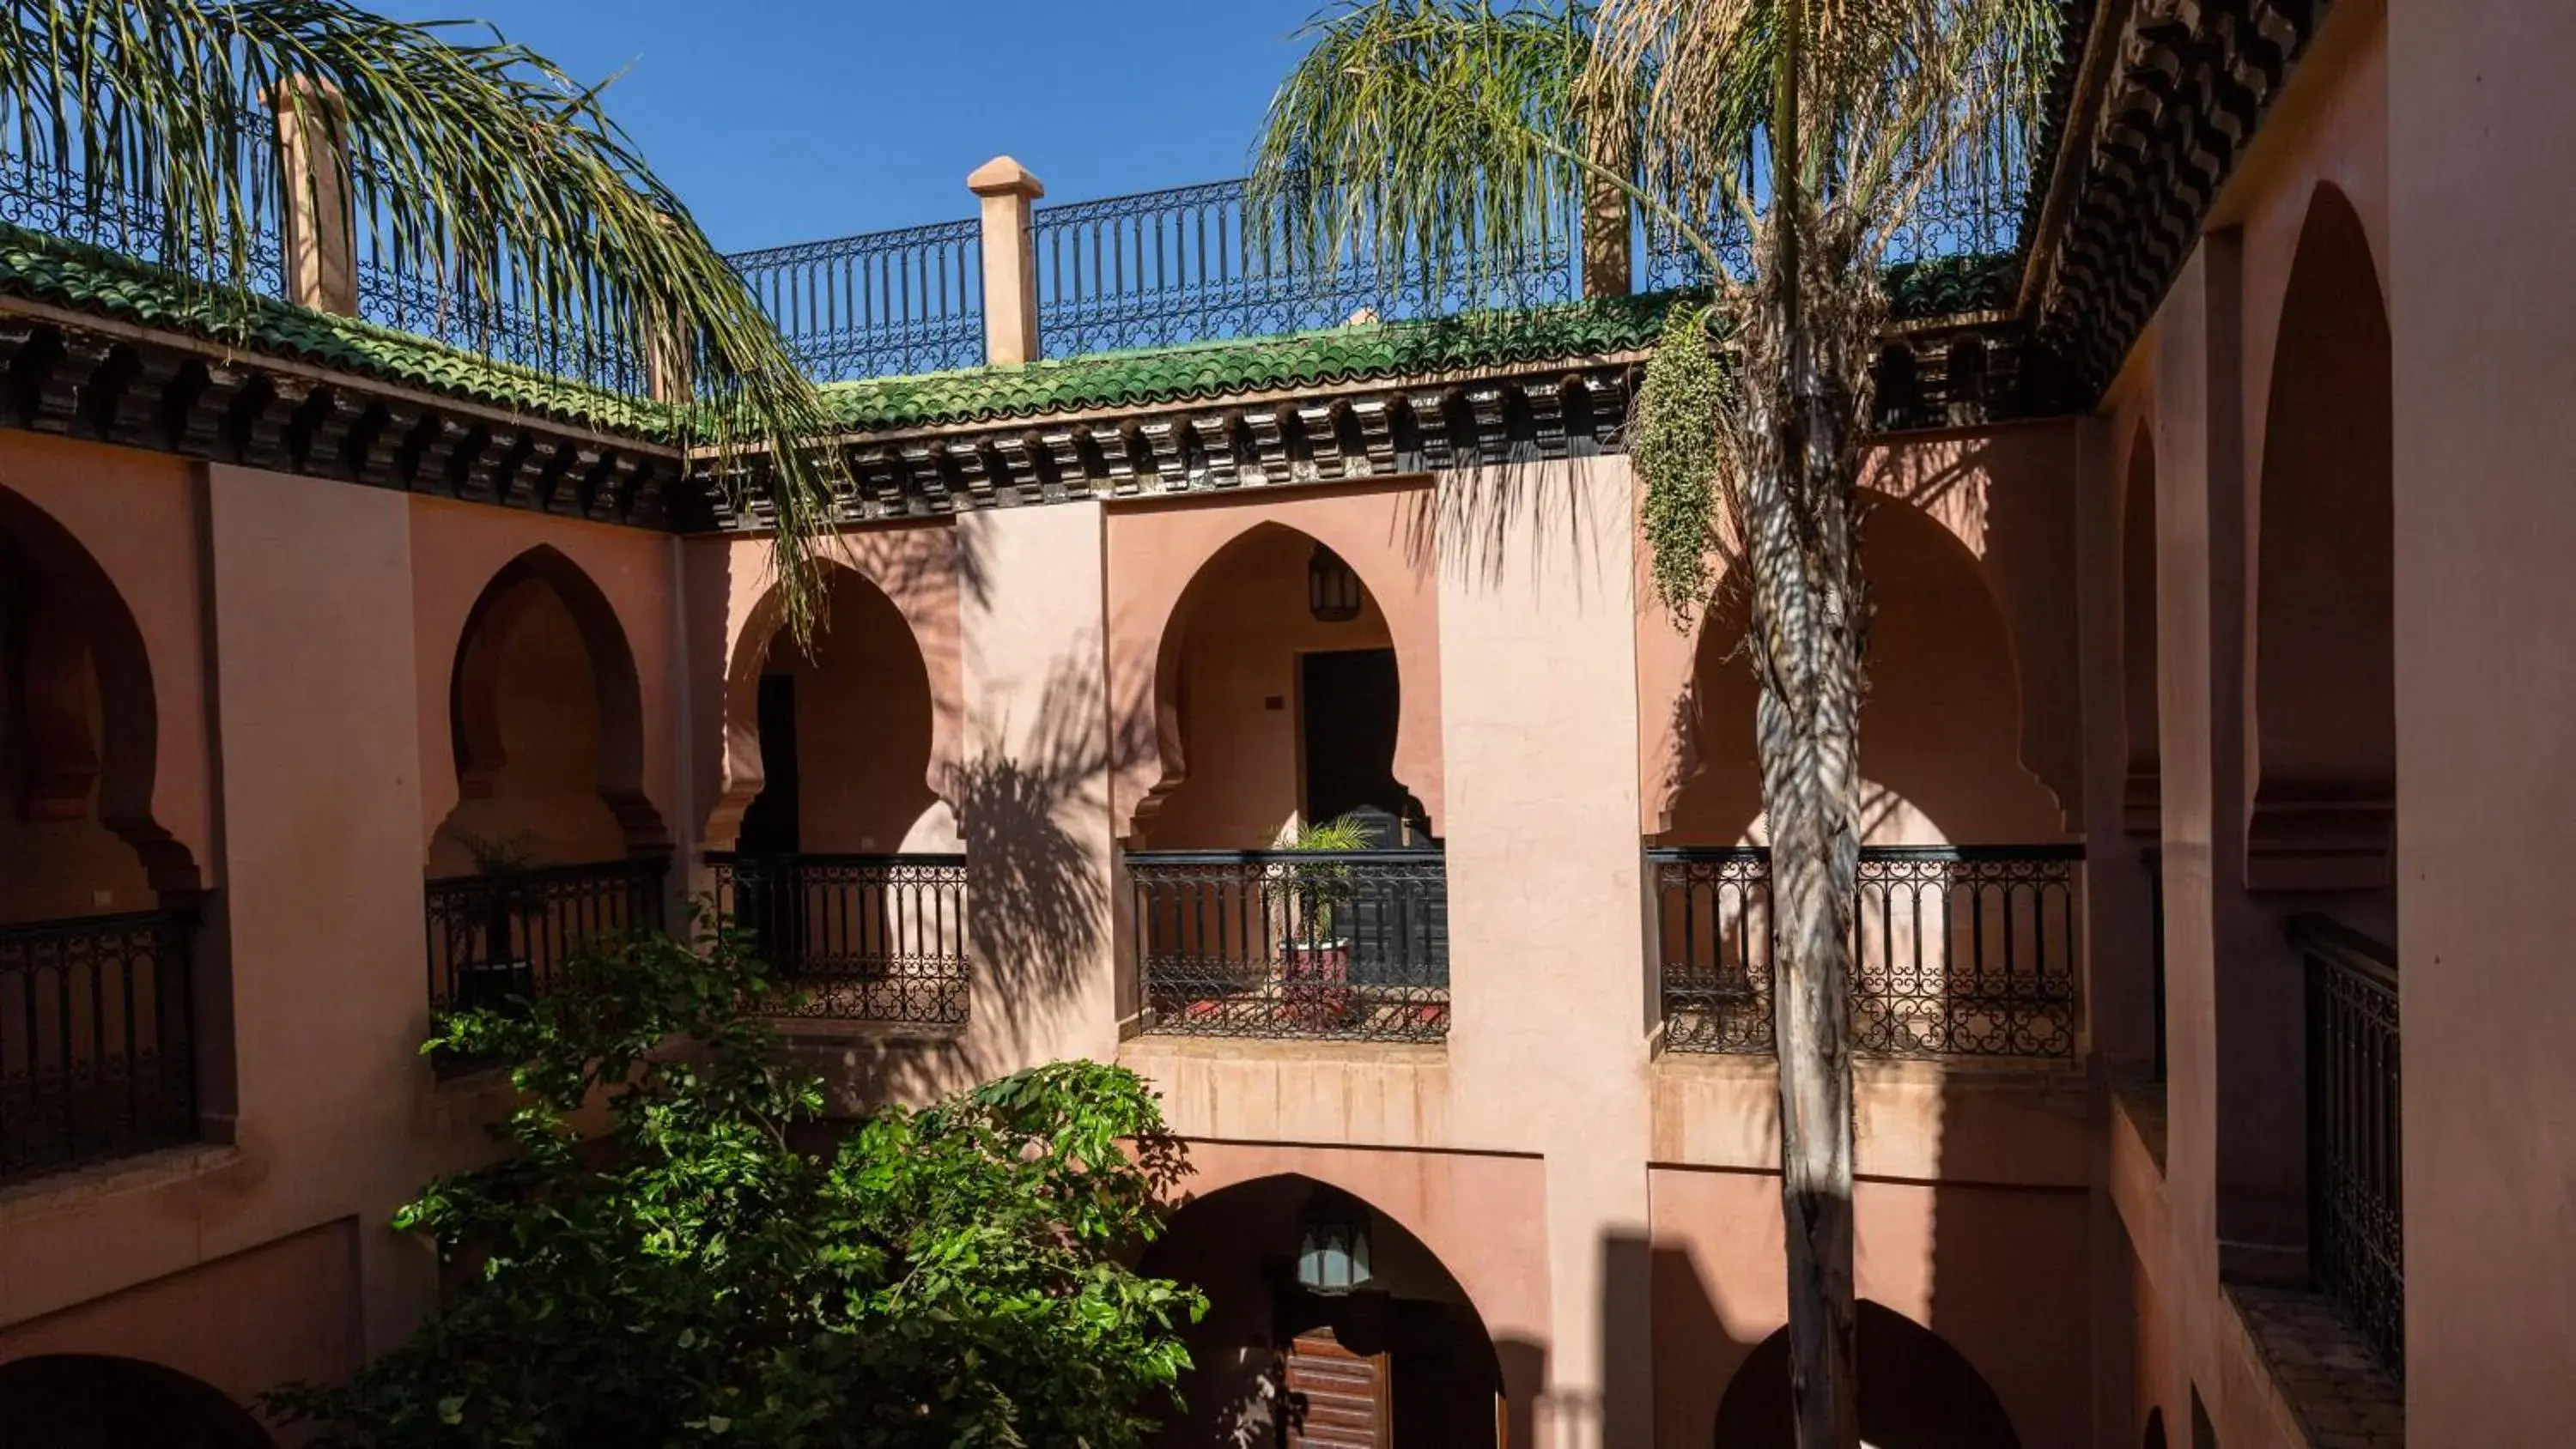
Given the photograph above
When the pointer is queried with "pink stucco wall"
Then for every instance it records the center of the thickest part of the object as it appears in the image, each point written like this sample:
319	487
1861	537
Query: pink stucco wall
2481	313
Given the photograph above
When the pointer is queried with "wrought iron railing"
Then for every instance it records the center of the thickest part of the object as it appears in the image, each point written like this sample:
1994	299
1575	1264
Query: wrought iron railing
504	937
1195	264
858	937
1280	943
881	304
60	195
1962	951
97	1039
2356	1141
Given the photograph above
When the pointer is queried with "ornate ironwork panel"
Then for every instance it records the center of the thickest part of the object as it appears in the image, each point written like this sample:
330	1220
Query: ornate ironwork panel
1190	264
860	937
1975	212
498	938
1351	945
1959	952
2356	1144
882	304
97	1039
63	196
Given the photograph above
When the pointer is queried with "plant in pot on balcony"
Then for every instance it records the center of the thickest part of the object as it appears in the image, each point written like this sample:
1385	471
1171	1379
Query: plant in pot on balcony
1316	957
498	972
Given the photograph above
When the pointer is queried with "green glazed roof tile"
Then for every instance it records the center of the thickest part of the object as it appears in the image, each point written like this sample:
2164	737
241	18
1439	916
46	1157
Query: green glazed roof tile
91	279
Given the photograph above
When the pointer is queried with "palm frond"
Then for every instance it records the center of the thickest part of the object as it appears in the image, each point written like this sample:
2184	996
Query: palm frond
475	162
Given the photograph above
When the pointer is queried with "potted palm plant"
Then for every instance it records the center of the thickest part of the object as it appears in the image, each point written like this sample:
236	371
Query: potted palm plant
1316	959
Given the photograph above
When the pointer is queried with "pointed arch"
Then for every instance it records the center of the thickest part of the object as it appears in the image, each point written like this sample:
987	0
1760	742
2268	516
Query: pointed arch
1941	728
1916	1392
84	597
526	583
865	573
1410	636
2324	734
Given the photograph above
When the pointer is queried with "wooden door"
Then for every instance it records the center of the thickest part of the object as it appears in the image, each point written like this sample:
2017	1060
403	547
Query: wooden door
1337	1399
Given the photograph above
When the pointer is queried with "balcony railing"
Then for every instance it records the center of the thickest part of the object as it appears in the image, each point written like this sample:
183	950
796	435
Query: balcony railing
505	937
1330	944
97	1040
859	937
2356	1143
883	304
1962	951
1193	264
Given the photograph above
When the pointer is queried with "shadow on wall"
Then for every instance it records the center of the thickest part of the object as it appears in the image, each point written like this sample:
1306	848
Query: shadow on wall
1033	809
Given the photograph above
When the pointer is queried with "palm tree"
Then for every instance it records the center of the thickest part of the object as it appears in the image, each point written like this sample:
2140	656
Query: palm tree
1787	143
475	162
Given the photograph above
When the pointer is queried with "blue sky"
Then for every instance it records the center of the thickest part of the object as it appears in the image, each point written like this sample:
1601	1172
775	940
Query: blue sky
791	120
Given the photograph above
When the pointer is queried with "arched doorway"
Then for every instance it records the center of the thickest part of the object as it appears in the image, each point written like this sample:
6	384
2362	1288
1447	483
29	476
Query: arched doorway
1916	1392
98	1036
847	868
1287	882
2325	716
552	843
2155	1429
1279	699
1967	911
1398	1356
91	1401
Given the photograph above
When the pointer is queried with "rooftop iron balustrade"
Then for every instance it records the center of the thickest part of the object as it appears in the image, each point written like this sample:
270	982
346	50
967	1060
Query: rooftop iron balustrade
1963	951
508	936
2356	1137
1287	943
97	1039
859	937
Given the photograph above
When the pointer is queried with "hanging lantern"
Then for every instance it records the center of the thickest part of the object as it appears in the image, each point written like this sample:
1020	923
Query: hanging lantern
1333	592
1332	1243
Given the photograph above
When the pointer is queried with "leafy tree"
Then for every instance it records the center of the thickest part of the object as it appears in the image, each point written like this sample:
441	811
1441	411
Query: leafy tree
477	163
656	1262
1787	142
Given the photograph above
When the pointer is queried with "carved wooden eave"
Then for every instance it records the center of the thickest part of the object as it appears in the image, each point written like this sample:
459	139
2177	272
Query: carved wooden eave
1295	436
2163	108
84	376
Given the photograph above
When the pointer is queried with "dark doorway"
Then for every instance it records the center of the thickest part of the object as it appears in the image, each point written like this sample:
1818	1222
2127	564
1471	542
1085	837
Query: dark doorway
86	1401
1349	700
770	825
1916	1392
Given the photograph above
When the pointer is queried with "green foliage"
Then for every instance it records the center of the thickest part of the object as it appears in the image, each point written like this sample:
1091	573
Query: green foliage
654	1262
1673	445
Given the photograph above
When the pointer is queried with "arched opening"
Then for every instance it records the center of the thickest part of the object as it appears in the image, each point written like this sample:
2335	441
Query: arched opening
1916	1392
97	1013
1402	1356
1278	693
2325	777
1292	886
2155	1429
91	1401
847	867
1968	925
552	843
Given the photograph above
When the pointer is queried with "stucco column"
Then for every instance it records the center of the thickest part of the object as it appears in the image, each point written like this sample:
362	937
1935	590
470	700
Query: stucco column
2118	986
1033	790
320	231
310	598
2481	309
1010	260
1546	899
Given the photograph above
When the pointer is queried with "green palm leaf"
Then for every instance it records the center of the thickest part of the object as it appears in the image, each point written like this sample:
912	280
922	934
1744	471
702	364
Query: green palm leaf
476	162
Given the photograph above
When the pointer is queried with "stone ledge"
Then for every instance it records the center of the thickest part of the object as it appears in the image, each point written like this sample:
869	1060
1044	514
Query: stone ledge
2323	1379
79	1187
